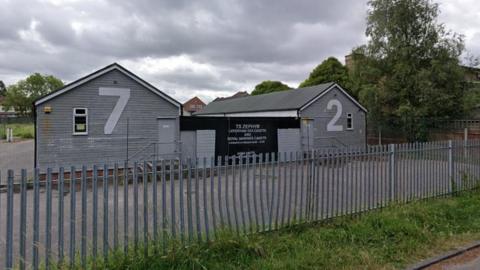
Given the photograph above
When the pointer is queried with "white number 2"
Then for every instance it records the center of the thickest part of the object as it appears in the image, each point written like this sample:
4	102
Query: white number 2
124	96
332	126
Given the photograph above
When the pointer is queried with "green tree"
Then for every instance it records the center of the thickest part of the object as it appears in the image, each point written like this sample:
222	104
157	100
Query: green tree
3	89
472	99
20	96
330	70
412	63
268	87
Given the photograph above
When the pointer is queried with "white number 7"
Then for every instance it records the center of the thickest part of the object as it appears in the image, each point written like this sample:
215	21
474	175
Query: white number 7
124	94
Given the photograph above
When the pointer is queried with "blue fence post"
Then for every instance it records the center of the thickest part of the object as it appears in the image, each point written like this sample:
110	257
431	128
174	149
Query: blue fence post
9	236
450	167
95	215
48	222
36	218
391	150
83	184
145	208
125	206
60	187
23	219
106	246
73	216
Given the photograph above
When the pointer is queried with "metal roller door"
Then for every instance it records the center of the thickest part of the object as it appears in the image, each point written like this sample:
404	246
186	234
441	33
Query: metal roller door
289	140
205	145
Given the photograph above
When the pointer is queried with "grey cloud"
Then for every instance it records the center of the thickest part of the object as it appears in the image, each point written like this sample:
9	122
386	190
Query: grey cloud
244	42
194	81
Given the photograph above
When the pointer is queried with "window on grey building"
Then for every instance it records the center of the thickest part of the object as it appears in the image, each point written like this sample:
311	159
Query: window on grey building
349	121
80	121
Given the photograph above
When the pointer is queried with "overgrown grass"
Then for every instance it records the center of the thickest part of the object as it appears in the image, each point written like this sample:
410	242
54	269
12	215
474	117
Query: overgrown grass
388	239
24	131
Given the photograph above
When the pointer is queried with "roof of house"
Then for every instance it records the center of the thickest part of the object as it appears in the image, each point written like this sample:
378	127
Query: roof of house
194	99
477	68
294	99
91	76
236	95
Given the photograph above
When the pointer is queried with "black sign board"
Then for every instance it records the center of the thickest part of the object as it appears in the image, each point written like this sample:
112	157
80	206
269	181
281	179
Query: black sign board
241	135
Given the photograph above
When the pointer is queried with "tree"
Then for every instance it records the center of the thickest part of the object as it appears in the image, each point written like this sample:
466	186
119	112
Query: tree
330	70
472	100
411	62
268	87
21	95
3	90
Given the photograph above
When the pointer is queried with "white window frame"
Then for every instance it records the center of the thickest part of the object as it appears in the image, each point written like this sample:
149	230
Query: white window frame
86	122
349	116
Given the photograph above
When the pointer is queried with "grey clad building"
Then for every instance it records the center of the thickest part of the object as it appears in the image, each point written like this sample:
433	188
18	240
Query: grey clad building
108	116
321	116
112	116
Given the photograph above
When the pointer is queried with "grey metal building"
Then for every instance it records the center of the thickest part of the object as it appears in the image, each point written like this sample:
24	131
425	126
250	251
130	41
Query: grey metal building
108	116
329	118
112	115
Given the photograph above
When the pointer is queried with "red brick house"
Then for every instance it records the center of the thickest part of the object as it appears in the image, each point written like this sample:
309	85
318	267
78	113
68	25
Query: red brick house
193	105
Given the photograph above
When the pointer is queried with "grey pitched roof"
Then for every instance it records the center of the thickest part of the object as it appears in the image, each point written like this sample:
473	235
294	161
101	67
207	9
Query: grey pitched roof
292	99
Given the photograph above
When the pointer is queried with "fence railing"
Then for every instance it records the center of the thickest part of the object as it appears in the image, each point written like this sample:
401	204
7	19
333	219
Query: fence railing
432	129
156	151
77	215
15	119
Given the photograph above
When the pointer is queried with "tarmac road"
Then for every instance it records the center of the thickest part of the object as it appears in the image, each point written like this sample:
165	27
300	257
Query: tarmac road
16	156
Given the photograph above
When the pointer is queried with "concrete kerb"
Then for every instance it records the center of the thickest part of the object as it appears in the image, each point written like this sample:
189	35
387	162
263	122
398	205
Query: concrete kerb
429	262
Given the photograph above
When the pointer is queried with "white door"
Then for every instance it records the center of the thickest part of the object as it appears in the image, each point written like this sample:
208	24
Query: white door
166	138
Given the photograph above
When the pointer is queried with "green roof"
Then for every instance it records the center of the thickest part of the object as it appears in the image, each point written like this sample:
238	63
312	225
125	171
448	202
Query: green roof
293	99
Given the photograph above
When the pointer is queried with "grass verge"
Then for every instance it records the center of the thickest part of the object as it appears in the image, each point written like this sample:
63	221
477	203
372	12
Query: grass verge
388	239
24	131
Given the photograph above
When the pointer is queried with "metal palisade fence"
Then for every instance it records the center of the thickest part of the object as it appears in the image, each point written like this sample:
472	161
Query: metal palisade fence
75	215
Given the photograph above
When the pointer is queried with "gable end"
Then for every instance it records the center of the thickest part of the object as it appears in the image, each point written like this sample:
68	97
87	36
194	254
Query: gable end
333	86
99	73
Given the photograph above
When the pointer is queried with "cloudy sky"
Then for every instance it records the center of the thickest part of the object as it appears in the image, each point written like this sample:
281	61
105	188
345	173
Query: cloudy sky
186	48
